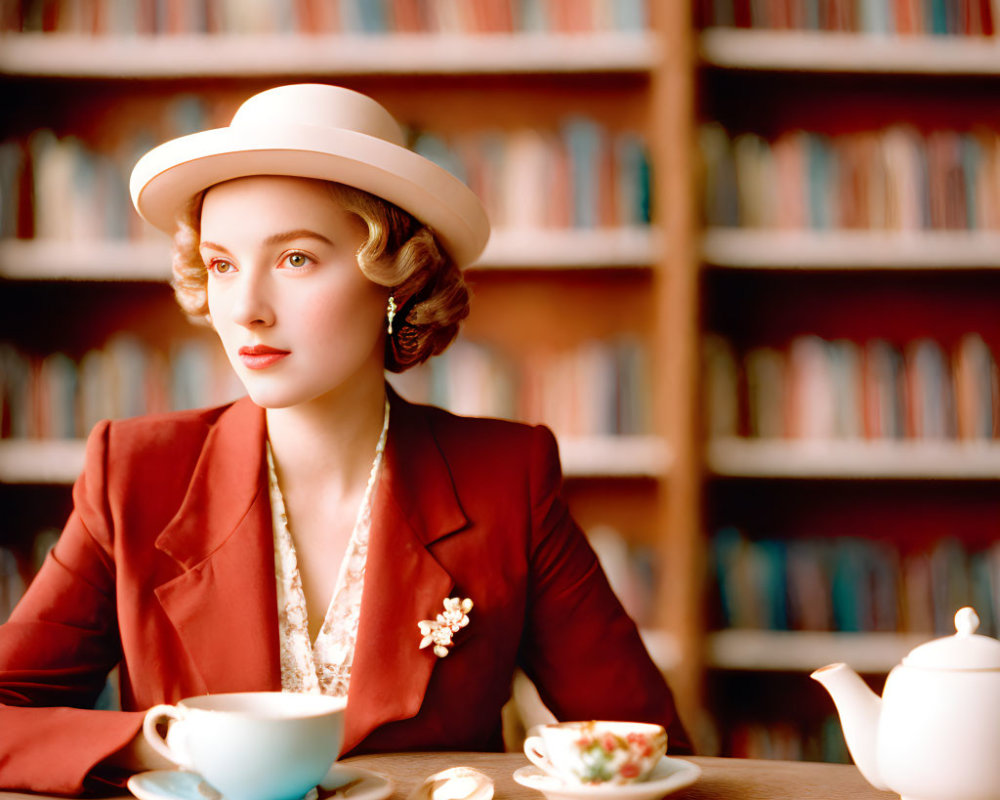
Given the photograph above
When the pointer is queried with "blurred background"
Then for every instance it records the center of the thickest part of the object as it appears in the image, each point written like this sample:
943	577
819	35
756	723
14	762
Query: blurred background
745	263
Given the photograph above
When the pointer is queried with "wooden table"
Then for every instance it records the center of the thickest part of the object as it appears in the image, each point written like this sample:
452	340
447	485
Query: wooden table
721	779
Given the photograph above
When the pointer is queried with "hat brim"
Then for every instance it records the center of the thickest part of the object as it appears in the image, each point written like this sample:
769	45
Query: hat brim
168	176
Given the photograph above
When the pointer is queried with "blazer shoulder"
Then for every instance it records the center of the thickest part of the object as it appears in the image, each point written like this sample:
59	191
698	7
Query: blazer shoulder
157	435
493	452
489	436
140	468
157	453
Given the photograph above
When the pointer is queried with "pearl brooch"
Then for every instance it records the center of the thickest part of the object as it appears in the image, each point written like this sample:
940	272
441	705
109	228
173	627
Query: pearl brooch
438	632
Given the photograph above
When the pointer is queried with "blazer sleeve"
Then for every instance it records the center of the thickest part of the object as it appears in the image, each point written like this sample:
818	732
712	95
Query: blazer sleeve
580	647
57	649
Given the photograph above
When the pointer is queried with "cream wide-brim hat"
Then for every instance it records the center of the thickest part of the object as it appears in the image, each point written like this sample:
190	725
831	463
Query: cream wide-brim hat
317	131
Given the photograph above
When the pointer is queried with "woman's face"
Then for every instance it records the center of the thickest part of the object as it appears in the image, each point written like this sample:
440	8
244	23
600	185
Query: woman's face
296	316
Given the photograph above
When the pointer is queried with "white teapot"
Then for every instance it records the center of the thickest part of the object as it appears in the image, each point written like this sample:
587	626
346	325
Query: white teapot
935	732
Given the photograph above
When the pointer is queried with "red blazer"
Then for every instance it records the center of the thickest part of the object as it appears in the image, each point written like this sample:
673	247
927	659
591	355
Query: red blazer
166	565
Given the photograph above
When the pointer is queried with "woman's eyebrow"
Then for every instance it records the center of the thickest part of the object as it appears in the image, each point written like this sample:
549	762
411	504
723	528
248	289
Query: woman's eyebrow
205	245
274	238
301	233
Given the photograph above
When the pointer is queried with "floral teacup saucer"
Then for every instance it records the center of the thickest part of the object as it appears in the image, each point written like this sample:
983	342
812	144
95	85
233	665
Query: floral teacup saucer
667	776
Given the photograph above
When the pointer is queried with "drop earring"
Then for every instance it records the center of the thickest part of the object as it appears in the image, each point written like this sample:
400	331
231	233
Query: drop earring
391	312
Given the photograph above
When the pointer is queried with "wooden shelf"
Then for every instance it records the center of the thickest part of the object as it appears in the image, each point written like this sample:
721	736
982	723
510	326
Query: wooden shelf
818	250
60	461
905	460
805	651
56	461
809	51
37	259
86	260
201	56
599	248
614	456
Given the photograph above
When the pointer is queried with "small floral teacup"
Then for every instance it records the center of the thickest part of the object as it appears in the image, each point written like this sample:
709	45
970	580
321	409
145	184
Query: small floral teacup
597	751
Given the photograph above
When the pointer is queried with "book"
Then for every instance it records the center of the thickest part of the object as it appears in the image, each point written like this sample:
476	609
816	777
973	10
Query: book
767	393
12	166
811	411
584	140
721	388
975	387
11	583
15	392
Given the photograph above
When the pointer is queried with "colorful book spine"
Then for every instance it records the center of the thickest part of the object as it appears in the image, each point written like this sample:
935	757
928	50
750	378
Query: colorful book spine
841	390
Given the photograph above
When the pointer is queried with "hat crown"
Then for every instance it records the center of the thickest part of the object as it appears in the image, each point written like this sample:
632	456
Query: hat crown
322	106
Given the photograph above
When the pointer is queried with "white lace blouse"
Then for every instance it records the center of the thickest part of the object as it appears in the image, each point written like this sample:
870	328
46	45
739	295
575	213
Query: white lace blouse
323	666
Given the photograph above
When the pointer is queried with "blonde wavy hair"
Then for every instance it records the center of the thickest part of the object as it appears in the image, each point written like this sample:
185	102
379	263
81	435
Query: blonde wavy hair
400	253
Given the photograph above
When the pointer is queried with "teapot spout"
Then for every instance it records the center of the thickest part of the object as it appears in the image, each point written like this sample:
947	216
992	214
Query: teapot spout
859	709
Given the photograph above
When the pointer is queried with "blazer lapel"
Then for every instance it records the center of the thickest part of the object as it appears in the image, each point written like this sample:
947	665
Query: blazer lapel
414	505
224	605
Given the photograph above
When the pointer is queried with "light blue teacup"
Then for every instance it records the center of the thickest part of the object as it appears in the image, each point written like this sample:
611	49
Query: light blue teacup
252	745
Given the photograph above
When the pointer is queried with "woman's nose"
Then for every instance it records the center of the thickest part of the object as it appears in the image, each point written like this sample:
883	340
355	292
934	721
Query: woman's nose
252	304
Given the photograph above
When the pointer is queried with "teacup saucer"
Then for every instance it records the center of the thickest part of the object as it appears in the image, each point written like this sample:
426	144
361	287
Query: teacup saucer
341	781
667	776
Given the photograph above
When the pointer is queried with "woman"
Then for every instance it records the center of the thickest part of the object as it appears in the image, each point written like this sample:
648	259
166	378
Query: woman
307	537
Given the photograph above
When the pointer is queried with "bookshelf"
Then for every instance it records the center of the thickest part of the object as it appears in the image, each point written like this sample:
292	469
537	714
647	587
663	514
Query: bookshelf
575	282
795	517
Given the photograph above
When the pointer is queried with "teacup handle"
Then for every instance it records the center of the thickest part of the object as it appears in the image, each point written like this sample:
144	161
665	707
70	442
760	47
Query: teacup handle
534	749
153	718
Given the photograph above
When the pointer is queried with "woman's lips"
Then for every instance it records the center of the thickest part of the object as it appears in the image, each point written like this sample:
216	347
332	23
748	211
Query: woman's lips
260	356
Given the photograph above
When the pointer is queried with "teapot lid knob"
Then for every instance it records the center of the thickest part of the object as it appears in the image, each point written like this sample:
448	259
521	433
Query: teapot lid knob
966	621
965	650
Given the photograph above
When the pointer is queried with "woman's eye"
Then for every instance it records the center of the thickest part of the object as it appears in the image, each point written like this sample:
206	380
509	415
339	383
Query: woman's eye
220	267
298	260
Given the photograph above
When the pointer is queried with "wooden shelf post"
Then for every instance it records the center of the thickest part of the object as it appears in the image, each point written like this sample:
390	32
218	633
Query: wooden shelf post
672	137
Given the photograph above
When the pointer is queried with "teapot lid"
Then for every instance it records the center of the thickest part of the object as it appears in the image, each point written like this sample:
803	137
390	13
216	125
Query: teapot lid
966	650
